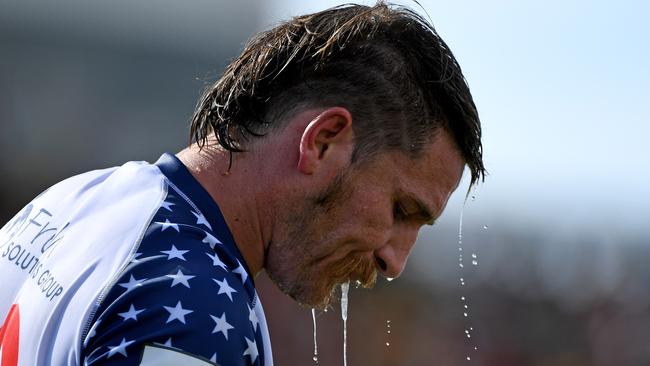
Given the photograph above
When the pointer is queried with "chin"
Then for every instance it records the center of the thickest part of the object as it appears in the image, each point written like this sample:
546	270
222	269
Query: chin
312	295
318	297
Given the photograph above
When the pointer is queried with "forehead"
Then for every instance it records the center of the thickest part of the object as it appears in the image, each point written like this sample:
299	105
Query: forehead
433	176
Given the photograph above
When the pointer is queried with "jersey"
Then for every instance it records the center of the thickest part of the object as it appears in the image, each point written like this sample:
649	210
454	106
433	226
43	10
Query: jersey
131	265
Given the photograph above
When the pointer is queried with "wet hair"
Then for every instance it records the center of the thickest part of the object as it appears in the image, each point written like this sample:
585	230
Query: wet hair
385	63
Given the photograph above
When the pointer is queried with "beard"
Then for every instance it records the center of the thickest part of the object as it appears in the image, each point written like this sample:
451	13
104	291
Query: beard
293	264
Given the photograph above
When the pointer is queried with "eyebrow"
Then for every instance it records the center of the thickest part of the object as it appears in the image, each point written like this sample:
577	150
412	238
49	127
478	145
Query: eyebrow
425	212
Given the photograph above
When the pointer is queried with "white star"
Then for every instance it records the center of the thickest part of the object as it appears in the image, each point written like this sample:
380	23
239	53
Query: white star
216	261
167	224
121	348
167	205
168	343
132	313
240	270
252	316
210	240
135	258
251	350
224	288
181	278
92	332
133	283
175	253
201	220
177	313
221	325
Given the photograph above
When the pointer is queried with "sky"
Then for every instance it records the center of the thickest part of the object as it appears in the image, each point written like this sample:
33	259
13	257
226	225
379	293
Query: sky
562	90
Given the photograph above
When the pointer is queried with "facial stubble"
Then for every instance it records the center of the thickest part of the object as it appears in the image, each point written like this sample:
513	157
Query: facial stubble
295	265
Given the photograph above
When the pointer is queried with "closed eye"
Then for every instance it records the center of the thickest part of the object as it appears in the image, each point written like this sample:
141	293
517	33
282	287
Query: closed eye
399	213
423	216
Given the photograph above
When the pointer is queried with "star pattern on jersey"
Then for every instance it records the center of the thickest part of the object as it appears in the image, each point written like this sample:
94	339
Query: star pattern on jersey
180	278
133	283
216	261
92	332
221	325
167	206
167	343
166	225
175	253
179	293
135	257
120	348
132	313
251	349
201	220
177	313
210	240
252	316
241	271
224	288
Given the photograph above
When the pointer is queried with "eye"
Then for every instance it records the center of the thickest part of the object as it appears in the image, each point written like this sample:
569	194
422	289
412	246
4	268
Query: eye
398	211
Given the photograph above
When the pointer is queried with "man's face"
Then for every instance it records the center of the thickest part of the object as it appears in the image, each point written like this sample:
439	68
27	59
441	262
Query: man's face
365	221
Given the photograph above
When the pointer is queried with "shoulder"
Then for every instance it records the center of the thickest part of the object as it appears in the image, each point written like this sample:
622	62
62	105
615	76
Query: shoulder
183	290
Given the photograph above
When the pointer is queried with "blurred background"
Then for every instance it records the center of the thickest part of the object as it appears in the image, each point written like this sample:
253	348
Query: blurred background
559	231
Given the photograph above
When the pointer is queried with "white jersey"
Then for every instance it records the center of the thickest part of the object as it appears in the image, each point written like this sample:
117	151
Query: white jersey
132	265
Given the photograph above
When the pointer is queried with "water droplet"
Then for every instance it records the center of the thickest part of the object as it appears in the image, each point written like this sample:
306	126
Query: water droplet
465	314
465	306
345	287
387	344
468	358
460	265
390	278
475	262
475	348
485	227
469	336
388	332
466	331
474	255
473	198
462	298
313	316
460	249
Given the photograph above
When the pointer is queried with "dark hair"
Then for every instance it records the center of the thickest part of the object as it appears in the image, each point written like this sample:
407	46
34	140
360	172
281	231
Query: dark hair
385	63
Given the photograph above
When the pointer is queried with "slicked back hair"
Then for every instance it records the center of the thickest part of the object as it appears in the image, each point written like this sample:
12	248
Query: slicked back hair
384	63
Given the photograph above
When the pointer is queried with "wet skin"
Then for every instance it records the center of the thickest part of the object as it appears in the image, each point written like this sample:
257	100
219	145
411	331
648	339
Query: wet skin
369	222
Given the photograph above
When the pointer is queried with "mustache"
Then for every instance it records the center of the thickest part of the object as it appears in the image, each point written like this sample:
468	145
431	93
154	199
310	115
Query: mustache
355	268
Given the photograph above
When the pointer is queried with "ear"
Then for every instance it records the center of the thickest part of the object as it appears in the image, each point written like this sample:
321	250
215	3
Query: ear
327	141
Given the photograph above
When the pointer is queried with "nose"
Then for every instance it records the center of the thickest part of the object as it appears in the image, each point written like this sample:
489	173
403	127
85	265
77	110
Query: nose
390	259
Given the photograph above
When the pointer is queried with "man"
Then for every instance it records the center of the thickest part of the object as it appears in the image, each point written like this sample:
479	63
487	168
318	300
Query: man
317	157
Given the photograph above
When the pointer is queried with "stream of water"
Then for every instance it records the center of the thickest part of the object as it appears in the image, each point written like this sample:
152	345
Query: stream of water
313	317
345	287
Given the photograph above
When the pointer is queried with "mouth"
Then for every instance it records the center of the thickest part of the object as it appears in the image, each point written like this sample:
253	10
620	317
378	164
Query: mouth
365	277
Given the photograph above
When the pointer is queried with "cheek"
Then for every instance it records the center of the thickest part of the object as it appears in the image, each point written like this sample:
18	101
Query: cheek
372	220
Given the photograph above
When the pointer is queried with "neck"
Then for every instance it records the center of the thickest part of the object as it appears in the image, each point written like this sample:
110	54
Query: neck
239	200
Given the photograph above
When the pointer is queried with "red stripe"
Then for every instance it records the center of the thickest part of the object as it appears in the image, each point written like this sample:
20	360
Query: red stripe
9	336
